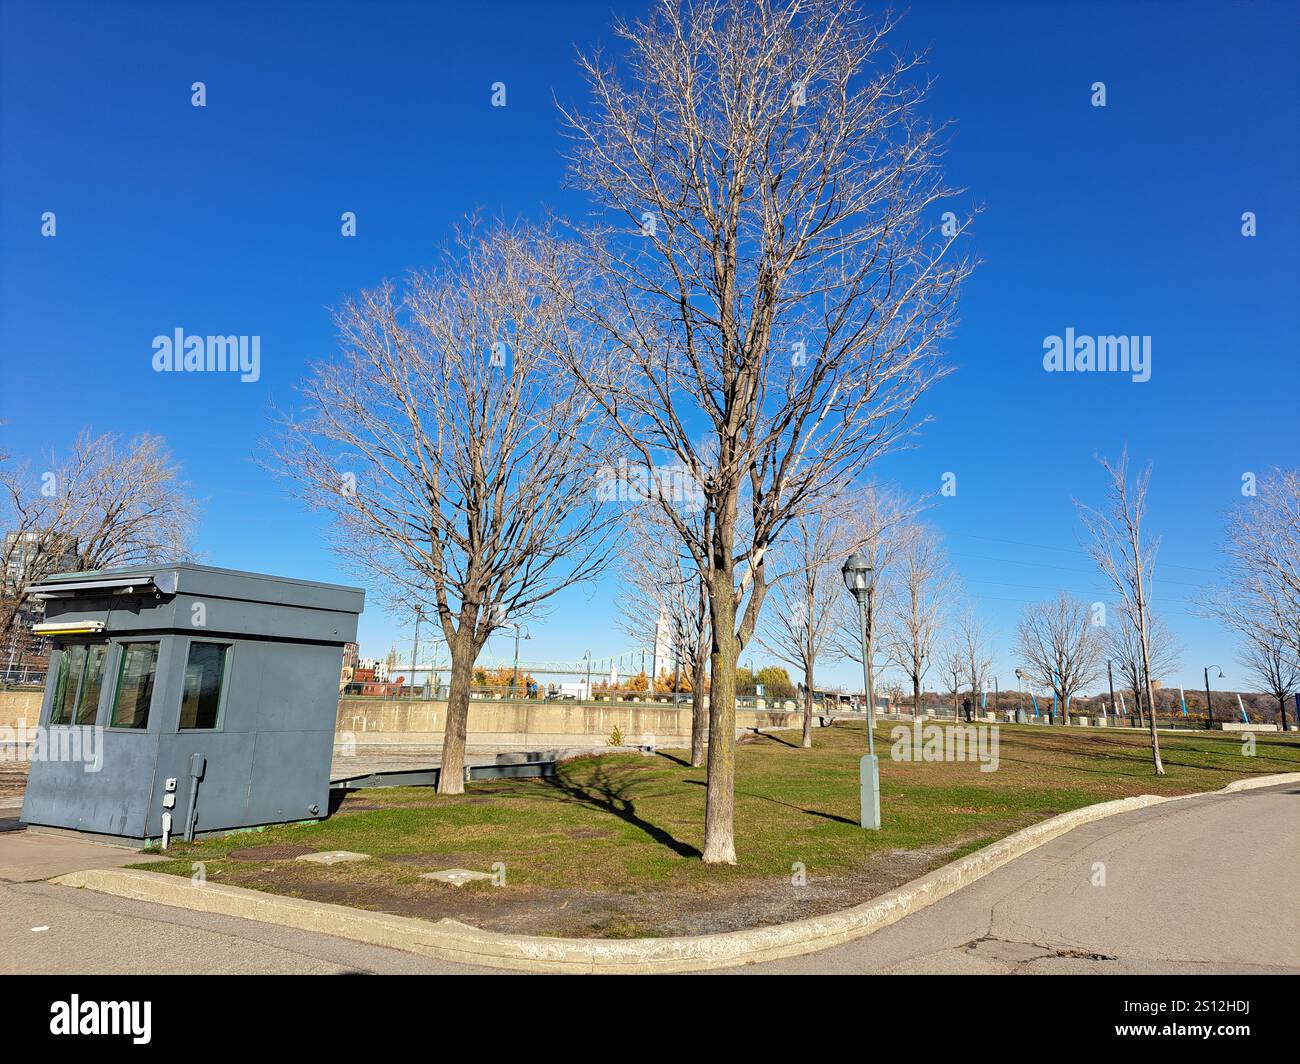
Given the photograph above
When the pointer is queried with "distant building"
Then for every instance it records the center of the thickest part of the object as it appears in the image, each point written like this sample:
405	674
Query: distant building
26	559
376	669
348	672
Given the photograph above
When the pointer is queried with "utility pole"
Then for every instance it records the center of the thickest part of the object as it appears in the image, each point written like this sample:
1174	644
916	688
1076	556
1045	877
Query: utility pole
415	646
514	679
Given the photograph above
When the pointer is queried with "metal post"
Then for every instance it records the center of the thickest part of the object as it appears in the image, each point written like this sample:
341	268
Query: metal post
587	693
1209	706
867	624
869	768
1110	677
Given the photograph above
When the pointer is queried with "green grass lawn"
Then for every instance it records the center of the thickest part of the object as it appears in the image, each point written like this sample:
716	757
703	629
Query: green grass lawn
611	844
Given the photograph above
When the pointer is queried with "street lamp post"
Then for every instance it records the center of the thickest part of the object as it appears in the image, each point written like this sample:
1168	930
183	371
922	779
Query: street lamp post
1021	715
859	580
587	693
1209	706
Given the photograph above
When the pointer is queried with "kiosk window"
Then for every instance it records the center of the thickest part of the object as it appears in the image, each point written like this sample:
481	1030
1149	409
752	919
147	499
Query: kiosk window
201	695
76	692
135	676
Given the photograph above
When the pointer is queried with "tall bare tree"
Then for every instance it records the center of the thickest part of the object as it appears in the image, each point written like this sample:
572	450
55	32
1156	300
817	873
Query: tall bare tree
1059	647
1260	593
1116	545
665	583
923	582
458	463
107	502
1122	645
1274	666
773	281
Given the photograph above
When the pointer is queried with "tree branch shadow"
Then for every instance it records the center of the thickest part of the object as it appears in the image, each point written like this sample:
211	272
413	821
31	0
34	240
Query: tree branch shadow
609	792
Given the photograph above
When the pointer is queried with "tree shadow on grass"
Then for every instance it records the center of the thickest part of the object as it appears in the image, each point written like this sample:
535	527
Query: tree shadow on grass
675	760
610	792
773	738
788	805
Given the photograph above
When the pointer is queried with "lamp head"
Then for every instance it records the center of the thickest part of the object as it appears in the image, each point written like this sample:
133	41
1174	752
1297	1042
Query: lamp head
857	574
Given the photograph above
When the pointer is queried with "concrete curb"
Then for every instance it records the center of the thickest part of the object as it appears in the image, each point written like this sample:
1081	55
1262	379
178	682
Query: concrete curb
450	940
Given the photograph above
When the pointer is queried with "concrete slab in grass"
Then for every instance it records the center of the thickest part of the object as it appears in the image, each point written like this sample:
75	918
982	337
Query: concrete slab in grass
333	857
457	877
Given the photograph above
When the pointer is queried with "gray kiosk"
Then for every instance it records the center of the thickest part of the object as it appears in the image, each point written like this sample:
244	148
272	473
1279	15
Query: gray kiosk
208	696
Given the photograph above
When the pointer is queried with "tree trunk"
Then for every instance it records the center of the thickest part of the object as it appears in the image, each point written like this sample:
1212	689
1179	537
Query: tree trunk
720	798
451	779
699	714
1281	709
916	698
807	704
1151	699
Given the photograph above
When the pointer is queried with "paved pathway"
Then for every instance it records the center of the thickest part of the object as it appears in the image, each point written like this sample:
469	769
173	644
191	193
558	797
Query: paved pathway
1199	885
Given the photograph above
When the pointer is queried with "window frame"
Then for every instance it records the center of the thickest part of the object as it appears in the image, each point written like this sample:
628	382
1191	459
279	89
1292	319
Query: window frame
219	726
63	676
119	666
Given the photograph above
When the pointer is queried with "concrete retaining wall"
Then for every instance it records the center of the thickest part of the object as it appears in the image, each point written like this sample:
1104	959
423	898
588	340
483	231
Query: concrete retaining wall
19	706
522	724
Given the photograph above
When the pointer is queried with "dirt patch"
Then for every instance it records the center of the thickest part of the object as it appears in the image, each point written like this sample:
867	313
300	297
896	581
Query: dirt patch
659	910
283	852
433	861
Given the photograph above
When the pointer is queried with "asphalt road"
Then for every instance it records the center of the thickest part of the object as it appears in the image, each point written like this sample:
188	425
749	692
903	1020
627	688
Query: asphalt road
1203	884
1199	885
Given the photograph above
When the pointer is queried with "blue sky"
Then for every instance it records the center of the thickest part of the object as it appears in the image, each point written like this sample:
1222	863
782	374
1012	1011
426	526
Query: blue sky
225	219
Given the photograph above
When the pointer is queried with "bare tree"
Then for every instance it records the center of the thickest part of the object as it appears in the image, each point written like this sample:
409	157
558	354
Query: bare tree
800	624
1260	596
1059	647
879	521
923	581
1121	644
665	581
778	304
953	667
1128	563
109	502
976	656
1275	667
459	466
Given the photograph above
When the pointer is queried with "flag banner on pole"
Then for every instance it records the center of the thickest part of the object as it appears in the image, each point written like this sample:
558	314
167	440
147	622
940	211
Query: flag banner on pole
1122	708
1033	699
1182	698
1054	704
1244	719
984	697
